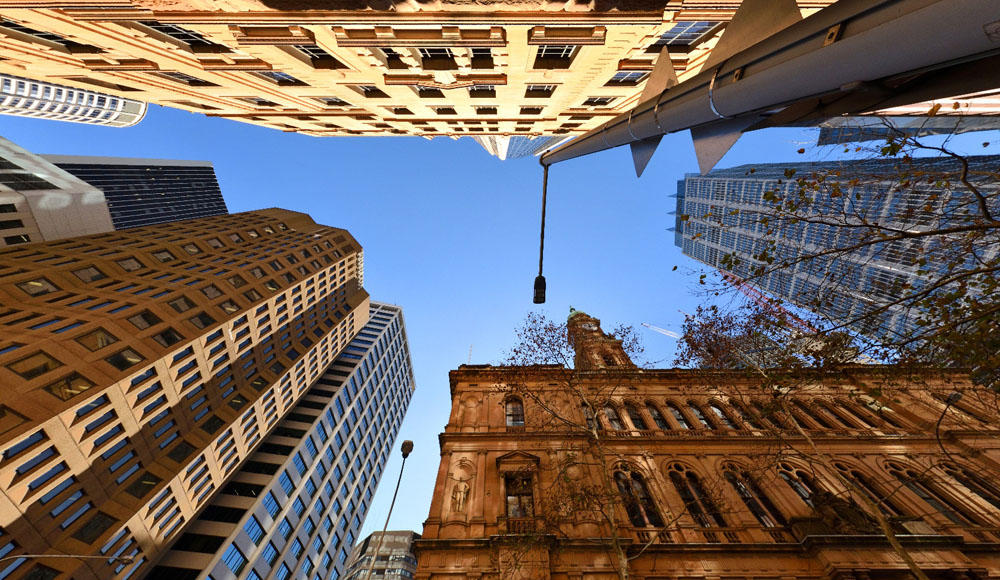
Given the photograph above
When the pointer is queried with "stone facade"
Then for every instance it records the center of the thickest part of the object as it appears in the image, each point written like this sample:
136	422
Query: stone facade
609	471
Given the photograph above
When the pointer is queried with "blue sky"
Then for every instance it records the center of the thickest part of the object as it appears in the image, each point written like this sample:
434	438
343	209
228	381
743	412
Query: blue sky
450	233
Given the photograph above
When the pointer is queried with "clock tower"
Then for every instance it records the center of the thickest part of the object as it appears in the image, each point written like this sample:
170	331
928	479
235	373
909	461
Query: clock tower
594	349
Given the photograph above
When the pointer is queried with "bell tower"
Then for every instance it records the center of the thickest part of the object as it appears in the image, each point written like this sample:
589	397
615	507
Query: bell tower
594	349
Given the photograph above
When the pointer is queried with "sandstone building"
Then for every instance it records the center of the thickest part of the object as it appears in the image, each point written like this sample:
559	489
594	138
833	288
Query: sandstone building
607	471
141	368
521	68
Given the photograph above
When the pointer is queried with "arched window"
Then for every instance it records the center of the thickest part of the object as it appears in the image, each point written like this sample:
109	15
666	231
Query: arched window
975	483
867	421
639	504
696	410
755	499
696	501
637	421
515	412
889	417
800	482
768	413
658	418
588	414
747	417
813	415
885	504
676	412
965	409
612	414
722	416
836	414
919	485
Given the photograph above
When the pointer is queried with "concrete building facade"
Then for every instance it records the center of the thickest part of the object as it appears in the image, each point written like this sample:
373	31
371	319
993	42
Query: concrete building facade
393	555
535	68
606	471
295	507
734	196
143	367
23	97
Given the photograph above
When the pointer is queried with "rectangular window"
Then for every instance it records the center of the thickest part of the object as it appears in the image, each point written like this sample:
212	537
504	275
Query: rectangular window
254	530
628	78
285	528
270	554
35	365
37	287
234	559
520	502
271	504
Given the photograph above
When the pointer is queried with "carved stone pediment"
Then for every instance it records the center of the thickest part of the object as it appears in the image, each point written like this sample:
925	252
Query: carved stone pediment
517	462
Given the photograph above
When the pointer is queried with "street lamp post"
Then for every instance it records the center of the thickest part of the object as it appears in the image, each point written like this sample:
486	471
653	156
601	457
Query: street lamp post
406	448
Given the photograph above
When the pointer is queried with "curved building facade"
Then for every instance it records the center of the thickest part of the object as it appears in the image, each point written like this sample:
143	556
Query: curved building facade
23	97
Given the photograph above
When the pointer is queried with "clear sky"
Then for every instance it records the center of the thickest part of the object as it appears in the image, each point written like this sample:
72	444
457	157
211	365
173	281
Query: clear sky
450	233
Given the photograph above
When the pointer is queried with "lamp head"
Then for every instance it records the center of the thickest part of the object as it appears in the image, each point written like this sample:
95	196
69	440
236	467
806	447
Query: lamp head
539	290
406	448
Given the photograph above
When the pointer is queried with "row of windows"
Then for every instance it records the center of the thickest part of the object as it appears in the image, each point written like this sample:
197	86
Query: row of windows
306	506
758	415
941	495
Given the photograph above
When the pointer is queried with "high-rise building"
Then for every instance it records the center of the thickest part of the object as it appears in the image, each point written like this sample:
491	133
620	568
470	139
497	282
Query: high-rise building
51	197
505	148
23	97
528	68
295	507
956	115
735	196
610	471
142	369
393	555
144	192
40	202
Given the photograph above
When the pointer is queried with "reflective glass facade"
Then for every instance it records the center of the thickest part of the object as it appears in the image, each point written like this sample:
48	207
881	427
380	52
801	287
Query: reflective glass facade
295	507
144	192
734	197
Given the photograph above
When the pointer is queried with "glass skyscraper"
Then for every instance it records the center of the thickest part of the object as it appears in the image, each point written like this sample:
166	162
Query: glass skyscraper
862	279
144	192
295	507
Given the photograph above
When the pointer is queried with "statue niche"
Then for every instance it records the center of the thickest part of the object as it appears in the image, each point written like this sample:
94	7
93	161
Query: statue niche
459	497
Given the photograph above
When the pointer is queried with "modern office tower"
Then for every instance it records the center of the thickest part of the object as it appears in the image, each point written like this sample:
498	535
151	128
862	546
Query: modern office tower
294	508
961	114
394	559
142	368
505	148
531	68
40	202
610	471
23	97
736	195
51	197
144	192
